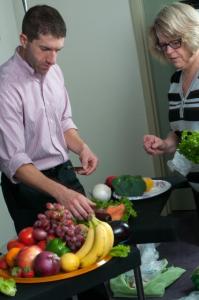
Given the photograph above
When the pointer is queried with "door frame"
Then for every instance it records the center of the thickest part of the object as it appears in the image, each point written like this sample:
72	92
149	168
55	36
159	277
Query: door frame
139	27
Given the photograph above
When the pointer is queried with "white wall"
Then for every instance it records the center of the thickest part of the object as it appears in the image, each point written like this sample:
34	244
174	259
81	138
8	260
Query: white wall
101	71
8	42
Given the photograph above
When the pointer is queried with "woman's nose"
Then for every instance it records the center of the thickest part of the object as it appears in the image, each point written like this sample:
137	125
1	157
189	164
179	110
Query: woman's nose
169	49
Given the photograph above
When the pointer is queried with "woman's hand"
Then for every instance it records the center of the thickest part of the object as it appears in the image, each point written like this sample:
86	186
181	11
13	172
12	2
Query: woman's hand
154	145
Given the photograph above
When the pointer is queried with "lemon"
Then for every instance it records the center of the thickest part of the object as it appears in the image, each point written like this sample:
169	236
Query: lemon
69	262
149	183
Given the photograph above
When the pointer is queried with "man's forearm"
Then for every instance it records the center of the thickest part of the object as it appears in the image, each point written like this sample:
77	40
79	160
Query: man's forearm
30	175
74	141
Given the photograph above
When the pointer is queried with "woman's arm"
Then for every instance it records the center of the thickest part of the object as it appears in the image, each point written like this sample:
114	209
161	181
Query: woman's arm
156	146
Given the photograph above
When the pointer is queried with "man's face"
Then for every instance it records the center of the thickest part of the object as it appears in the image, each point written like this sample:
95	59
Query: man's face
41	53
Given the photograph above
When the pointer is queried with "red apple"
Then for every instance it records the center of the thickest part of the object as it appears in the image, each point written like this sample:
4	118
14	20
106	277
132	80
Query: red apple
109	180
26	256
26	236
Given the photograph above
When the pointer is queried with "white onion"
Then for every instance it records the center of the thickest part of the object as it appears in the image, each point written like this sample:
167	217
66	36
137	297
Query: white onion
101	192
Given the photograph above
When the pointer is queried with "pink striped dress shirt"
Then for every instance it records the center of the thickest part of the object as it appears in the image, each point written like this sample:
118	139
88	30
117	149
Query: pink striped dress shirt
35	112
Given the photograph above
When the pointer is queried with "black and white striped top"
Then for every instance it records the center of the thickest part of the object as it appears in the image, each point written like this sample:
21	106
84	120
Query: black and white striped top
184	109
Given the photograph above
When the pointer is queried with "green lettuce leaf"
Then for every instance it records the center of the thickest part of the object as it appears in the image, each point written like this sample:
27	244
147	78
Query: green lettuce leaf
8	286
189	145
120	251
129	210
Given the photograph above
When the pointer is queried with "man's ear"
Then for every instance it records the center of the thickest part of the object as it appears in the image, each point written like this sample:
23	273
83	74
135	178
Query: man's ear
23	40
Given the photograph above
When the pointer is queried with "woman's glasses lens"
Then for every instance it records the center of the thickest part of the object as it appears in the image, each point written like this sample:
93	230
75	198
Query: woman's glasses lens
175	44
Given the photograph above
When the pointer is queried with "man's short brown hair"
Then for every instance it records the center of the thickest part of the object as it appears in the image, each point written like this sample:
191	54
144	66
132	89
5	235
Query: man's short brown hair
43	19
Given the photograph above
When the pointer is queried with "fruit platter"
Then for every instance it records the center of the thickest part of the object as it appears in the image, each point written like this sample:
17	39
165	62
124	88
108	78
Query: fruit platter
57	247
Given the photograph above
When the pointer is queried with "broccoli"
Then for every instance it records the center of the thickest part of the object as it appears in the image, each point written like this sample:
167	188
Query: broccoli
127	185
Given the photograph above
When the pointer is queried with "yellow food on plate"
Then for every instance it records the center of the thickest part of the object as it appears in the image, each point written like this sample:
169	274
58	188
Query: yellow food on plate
69	262
149	183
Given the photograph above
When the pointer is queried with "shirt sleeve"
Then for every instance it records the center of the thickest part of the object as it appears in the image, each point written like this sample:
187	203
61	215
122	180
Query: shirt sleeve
67	121
12	150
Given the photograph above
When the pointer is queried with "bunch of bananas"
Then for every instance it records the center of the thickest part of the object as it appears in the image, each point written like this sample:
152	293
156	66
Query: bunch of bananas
98	243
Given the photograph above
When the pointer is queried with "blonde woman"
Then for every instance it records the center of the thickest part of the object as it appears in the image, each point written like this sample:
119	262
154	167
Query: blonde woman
174	38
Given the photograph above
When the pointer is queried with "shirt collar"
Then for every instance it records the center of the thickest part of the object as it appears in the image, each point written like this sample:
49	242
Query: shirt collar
25	66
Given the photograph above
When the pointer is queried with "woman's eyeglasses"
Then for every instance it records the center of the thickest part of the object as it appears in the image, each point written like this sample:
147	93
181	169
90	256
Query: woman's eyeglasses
175	44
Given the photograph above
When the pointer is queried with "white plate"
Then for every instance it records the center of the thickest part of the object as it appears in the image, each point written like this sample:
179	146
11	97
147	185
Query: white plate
160	186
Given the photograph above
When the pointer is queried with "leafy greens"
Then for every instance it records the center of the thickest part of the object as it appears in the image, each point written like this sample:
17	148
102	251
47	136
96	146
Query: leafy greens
120	251
129	210
189	145
8	286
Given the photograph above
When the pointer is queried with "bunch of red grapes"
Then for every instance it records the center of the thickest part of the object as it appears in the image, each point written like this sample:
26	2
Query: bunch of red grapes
57	221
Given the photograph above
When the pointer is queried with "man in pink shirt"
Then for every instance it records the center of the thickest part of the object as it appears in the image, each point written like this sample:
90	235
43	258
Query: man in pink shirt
36	127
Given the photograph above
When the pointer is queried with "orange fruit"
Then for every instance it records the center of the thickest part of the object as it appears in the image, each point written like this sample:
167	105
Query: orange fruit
11	256
149	183
69	262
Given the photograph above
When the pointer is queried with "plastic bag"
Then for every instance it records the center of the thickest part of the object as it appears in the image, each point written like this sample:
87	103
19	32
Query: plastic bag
192	296
150	266
155	287
180	164
156	276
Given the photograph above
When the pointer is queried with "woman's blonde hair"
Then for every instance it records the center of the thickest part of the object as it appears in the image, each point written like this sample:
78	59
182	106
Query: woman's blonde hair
175	21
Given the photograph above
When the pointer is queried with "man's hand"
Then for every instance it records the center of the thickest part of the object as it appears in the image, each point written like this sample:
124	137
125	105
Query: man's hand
154	145
89	161
79	206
